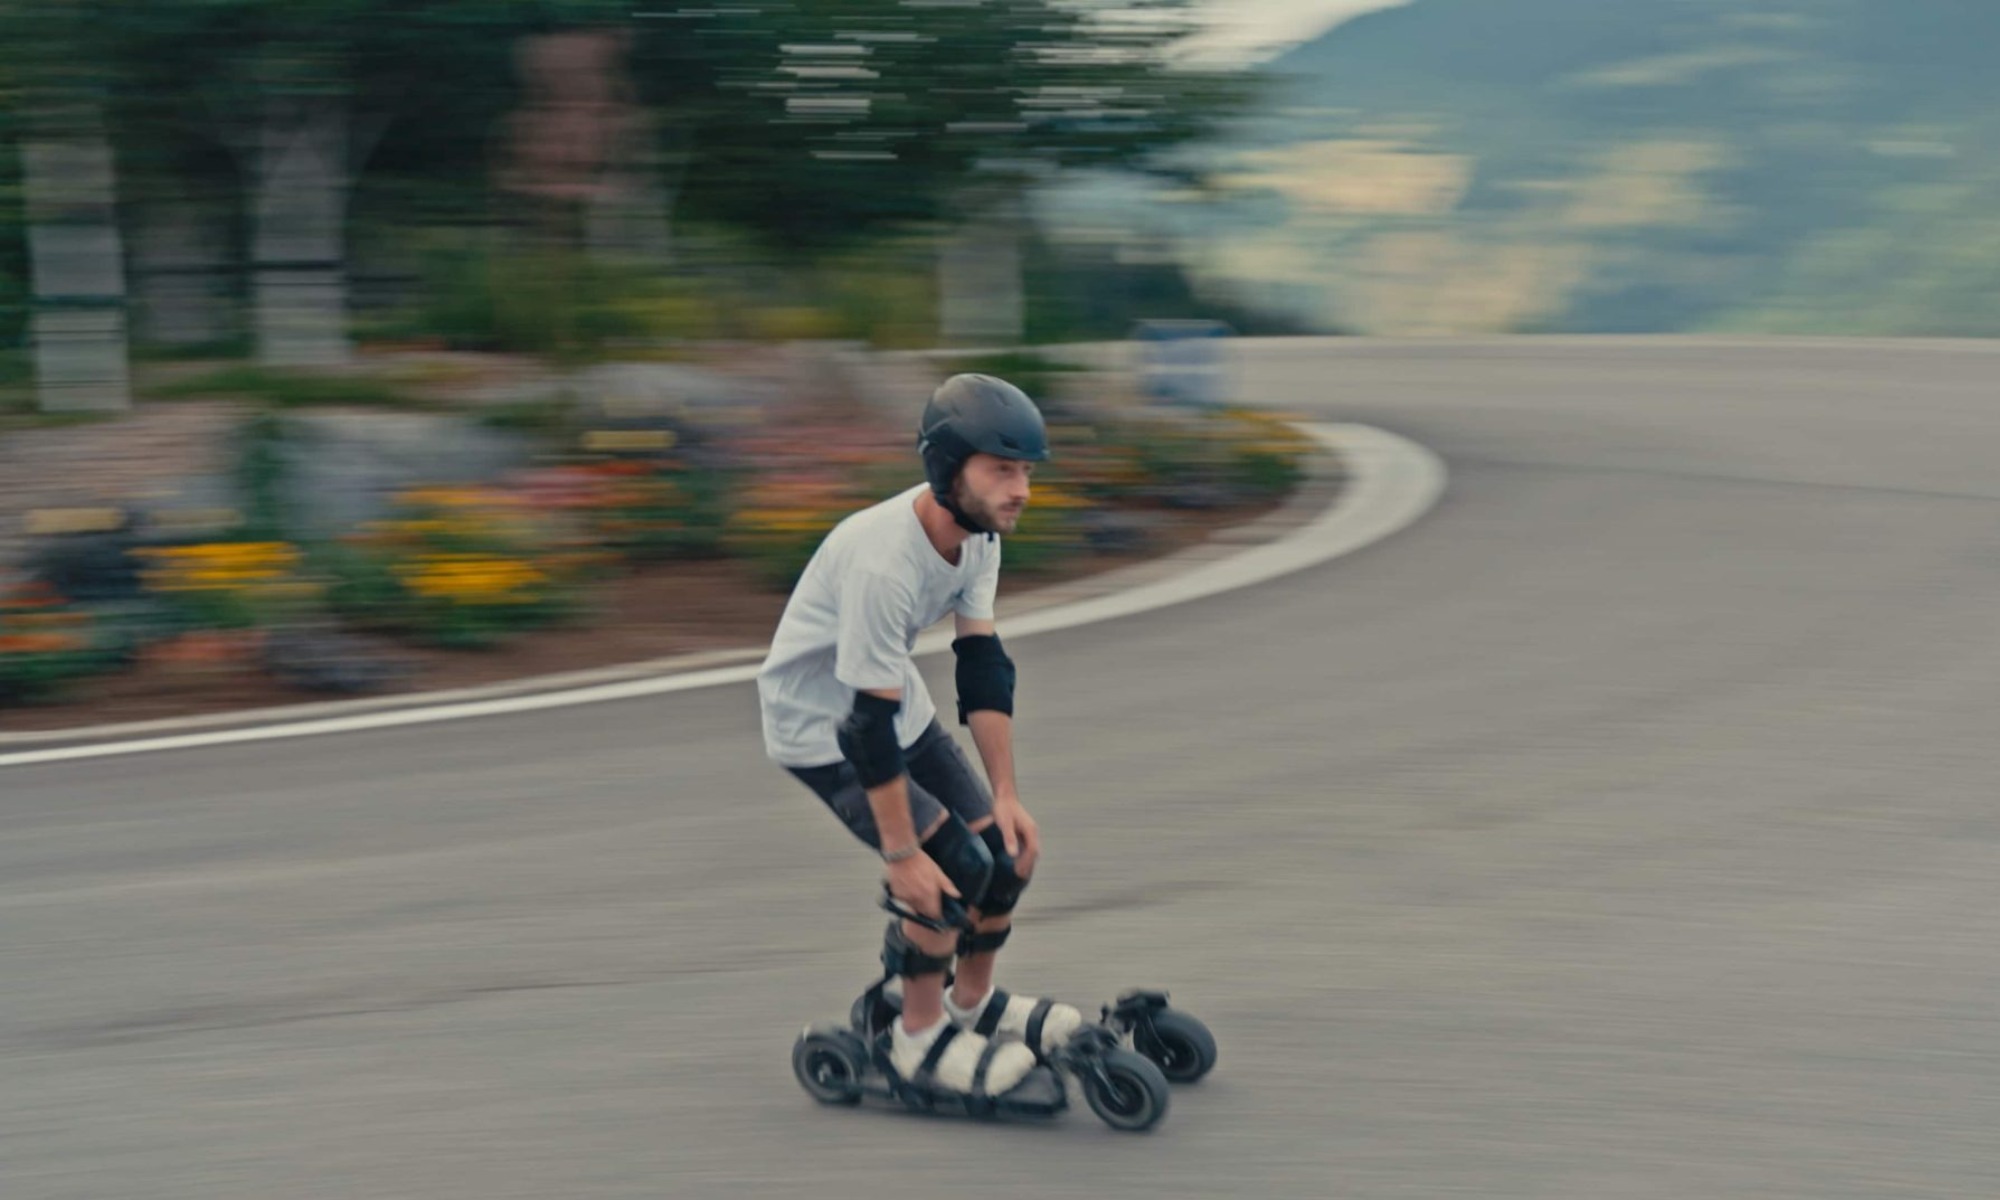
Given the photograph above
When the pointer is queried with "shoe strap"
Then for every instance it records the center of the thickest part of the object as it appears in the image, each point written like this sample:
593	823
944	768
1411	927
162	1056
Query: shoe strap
944	1039
985	1060
1035	1020
989	1018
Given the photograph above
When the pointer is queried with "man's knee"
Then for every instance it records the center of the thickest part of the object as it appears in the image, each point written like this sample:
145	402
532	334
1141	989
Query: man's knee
996	904
1005	884
964	857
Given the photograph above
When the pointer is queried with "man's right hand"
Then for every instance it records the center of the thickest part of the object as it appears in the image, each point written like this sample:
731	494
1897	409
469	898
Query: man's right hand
920	883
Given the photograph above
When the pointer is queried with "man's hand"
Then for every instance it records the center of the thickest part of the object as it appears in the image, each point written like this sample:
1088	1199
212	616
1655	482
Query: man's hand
920	883
1018	830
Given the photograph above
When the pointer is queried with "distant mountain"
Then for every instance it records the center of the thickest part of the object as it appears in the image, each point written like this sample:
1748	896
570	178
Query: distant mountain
1620	165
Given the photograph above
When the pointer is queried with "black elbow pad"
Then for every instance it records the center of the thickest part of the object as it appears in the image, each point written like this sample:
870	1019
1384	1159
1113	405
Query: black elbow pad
868	739
985	676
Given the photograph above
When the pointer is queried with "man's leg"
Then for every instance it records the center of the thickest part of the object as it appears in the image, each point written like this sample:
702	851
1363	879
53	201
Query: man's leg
939	764
923	995
839	788
973	979
927	1047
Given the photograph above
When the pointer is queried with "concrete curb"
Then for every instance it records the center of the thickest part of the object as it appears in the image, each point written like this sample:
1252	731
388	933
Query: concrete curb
1372	484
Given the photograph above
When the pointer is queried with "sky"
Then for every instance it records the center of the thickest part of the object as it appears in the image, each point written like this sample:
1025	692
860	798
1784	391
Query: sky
1247	30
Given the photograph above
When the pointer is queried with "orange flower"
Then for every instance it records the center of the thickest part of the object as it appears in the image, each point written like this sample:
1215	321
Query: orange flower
40	643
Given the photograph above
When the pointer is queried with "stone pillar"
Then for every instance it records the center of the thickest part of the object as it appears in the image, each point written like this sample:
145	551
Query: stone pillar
980	293
299	250
79	332
180	255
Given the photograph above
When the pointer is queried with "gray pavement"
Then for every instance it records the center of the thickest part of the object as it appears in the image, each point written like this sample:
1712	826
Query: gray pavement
1625	828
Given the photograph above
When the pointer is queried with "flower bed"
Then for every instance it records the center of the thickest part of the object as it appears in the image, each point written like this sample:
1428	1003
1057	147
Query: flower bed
458	567
228	584
46	643
474	566
639	511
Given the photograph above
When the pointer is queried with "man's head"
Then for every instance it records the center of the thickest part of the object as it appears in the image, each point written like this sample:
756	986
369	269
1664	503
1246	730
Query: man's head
980	438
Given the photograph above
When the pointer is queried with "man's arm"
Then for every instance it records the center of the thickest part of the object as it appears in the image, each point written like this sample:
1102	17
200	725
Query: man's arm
890	802
870	657
992	730
993	733
913	877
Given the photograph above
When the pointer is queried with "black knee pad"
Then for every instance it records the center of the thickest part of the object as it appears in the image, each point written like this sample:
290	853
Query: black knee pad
1003	890
963	857
967	861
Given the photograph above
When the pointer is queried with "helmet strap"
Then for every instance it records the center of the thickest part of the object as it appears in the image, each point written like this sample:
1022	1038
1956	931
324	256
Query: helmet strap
949	503
959	515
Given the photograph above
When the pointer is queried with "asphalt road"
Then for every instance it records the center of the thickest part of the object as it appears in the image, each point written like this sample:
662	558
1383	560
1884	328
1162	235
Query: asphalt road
1626	828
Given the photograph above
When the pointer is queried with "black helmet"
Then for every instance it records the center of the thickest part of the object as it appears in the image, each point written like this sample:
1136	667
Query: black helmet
973	414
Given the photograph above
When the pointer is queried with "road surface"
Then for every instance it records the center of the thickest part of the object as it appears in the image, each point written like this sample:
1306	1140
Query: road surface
1627	827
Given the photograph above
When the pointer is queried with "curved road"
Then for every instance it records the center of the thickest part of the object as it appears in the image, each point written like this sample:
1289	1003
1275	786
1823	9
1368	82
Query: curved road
1625	828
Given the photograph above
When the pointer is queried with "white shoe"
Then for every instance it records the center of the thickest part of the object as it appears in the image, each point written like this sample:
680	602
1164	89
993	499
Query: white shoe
948	1058
1043	1024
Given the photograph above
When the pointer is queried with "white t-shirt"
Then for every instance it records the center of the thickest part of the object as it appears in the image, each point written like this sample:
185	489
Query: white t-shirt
873	585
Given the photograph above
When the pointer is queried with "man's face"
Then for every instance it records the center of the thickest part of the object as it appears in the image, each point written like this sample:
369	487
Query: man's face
993	491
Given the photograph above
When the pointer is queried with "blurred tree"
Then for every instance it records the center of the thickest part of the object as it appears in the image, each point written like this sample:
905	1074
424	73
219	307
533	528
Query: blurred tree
812	124
819	122
301	92
56	116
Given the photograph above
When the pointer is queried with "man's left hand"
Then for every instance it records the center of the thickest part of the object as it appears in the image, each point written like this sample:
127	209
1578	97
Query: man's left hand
1018	831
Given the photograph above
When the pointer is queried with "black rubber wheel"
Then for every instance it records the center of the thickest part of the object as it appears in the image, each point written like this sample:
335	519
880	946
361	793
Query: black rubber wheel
1137	1096
829	1066
1182	1046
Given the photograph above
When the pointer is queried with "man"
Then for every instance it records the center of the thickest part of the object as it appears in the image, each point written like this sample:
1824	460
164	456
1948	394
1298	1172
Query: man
845	710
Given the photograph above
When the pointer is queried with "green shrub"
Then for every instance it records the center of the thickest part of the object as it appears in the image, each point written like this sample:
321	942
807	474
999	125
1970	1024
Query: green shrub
288	389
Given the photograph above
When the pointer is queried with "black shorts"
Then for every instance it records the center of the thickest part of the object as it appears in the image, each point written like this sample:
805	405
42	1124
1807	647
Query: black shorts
941	780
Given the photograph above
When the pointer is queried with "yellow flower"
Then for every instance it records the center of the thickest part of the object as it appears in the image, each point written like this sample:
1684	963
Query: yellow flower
469	578
218	566
453	497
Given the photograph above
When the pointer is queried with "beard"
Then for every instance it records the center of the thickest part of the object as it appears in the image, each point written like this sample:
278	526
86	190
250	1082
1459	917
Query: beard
998	518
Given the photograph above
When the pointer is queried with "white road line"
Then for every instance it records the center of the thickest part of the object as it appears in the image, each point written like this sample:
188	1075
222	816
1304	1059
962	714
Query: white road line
1392	482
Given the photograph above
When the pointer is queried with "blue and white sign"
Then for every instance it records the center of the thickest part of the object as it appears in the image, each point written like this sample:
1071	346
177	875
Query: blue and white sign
1183	362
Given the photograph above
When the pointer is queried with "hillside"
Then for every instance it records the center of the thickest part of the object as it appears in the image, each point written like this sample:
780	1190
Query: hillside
1576	165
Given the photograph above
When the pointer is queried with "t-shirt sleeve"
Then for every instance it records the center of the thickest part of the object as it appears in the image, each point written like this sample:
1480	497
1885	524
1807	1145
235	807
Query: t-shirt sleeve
975	602
872	651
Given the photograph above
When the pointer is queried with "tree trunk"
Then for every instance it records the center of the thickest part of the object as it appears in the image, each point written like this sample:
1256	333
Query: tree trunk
299	247
980	294
628	224
80	341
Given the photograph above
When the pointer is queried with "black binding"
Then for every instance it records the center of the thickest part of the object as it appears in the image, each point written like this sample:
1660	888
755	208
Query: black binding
989	1020
1035	1020
945	1037
979	1072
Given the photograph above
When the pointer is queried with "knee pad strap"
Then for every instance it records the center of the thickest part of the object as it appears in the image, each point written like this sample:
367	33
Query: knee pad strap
901	956
971	942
